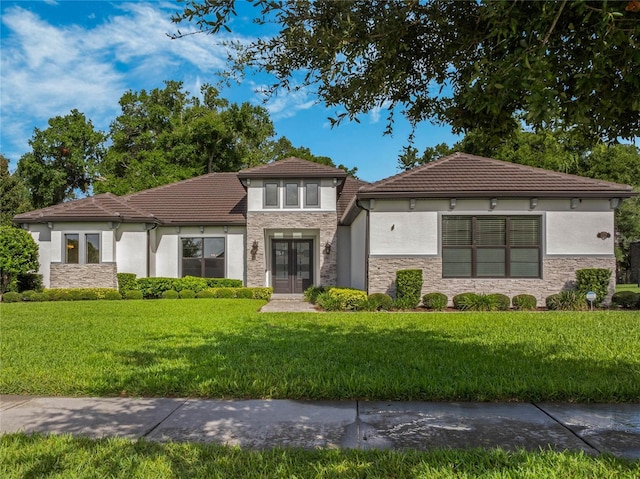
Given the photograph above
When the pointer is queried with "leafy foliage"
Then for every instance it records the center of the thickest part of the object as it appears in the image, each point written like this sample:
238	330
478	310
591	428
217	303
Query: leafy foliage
435	301
409	287
623	299
170	294
569	300
312	292
126	282
18	255
133	294
594	279
14	195
379	301
524	302
11	297
473	65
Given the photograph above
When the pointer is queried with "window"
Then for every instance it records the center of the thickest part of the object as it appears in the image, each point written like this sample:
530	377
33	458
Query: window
312	194
72	248
82	248
291	194
271	194
203	257
491	247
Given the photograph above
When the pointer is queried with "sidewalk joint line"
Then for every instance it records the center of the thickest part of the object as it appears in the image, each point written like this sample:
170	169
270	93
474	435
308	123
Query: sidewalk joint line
567	428
165	418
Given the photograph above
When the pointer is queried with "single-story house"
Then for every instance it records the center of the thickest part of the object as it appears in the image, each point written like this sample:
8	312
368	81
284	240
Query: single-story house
469	223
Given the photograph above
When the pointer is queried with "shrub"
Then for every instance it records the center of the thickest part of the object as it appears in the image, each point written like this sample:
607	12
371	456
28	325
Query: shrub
502	302
348	299
88	295
224	293
593	279
524	302
626	299
379	301
154	287
479	302
224	283
75	294
327	302
244	293
170	294
52	294
62	296
205	293
112	295
187	294
312	292
193	283
126	282
436	301
11	297
409	286
18	255
569	300
133	294
29	281
26	295
460	300
403	303
262	293
38	297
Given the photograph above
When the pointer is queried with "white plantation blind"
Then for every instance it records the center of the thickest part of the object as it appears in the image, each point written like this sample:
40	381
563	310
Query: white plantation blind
491	231
524	231
456	230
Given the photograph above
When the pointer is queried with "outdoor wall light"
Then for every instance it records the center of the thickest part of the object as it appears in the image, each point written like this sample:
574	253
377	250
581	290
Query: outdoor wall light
452	204
493	202
327	248
614	203
412	203
201	229
574	203
254	249
533	202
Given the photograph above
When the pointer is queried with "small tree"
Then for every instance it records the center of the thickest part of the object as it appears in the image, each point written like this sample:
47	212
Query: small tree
18	255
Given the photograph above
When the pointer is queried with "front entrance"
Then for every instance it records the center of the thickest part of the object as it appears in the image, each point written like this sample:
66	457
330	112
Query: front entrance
291	265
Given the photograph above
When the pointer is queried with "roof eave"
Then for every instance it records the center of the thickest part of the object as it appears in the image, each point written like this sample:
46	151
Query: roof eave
269	175
495	194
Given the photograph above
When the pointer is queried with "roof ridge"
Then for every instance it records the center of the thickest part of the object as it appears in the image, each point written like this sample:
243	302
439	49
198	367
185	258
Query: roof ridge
413	171
171	185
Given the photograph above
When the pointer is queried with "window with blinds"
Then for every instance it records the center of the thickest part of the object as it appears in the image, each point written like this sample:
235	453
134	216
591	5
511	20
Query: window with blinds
491	246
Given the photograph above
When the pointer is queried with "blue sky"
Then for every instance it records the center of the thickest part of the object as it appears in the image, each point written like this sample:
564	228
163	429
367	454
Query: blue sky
60	55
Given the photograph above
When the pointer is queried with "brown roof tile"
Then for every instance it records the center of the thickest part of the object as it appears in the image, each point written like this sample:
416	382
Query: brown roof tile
293	168
467	175
348	194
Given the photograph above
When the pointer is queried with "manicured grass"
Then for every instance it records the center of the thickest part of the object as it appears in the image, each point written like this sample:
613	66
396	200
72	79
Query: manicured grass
64	456
224	348
628	287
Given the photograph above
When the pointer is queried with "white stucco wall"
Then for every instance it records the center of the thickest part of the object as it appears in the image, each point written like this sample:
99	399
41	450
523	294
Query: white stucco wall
235	255
41	234
343	256
131	249
575	233
358	251
403	233
255	196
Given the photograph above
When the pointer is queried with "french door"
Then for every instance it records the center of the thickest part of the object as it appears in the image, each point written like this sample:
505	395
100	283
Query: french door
291	265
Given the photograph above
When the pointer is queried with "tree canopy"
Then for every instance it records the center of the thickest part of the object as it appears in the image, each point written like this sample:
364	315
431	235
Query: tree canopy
476	65
14	195
18	255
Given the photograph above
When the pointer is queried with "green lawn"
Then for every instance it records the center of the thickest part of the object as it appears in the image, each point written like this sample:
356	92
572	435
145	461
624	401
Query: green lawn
24	456
223	348
628	287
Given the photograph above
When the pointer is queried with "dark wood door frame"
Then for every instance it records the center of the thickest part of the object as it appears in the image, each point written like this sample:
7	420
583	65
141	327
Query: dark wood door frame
291	265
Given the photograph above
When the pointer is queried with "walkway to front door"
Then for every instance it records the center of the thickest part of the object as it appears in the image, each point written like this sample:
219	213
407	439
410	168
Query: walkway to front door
291	265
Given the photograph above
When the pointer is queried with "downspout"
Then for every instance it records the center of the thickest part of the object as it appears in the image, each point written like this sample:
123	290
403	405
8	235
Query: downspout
360	204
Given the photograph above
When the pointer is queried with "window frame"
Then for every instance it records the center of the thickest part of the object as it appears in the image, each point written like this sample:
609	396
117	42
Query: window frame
285	201
264	200
507	247
202	263
318	186
83	250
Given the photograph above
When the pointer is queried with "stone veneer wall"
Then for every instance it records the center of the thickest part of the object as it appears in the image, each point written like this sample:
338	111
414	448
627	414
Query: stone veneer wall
558	274
324	222
101	275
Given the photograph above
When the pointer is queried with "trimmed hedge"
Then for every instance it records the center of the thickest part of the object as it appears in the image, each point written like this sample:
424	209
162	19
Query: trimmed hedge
524	302
113	295
379	302
593	279
133	294
435	301
192	283
460	300
11	297
187	294
502	302
170	294
126	282
206	293
409	287
626	300
224	283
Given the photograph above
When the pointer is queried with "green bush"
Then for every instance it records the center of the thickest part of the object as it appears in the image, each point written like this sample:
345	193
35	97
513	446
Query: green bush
312	292
224	292
133	294
409	286
170	294
626	300
460	300
63	296
379	301
478	302
404	303
593	279
524	302
26	295
51	295
205	293
193	283
348	299
38	297
29	281
154	287
224	283
187	294
112	295
126	282
502	302
436	301
75	294
88	295
327	302
11	297
570	300
262	293
244	293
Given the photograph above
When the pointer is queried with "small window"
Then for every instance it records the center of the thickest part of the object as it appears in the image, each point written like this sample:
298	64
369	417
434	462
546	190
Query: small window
271	194
312	194
291	195
92	248
72	248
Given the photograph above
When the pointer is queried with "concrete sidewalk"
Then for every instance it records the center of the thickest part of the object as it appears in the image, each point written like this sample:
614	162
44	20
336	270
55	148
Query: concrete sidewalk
259	424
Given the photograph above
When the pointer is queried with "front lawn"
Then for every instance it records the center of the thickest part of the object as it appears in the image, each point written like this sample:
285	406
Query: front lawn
54	456
628	287
224	348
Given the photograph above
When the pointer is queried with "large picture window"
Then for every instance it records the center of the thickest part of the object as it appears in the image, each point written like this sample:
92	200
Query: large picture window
491	246
203	257
82	248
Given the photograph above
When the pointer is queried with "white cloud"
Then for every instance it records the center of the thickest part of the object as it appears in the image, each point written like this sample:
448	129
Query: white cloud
374	114
286	103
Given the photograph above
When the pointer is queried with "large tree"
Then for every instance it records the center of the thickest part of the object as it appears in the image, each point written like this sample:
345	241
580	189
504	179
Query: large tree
471	64
18	255
14	195
63	159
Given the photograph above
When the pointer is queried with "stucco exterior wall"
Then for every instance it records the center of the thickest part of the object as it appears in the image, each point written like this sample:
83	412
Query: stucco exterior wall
577	232
403	233
131	249
343	258
359	251
255	195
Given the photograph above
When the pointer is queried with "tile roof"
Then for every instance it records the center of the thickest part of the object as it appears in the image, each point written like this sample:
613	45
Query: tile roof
467	175
293	168
348	194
